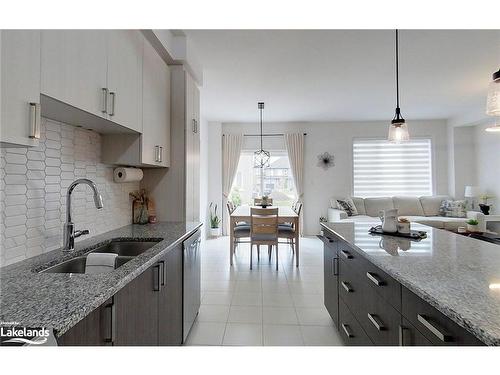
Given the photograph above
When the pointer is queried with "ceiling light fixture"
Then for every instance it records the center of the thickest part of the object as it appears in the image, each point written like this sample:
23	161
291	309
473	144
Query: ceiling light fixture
261	157
398	129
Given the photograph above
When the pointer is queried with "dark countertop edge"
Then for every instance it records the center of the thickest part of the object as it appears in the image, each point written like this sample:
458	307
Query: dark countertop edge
98	301
450	313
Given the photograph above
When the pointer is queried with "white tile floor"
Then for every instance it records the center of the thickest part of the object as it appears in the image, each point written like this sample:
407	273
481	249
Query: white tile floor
262	306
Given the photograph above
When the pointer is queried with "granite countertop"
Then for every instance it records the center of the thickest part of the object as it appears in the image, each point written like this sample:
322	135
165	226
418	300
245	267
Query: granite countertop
458	275
59	301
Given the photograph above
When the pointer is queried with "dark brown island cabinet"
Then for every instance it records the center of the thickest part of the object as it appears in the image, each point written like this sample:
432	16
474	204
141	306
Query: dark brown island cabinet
369	307
148	311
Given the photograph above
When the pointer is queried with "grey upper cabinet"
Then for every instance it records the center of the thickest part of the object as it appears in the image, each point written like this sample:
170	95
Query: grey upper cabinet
74	68
96	71
20	87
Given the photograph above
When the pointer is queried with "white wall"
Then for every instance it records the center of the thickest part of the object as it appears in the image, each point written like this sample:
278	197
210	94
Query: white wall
487	146
335	138
214	168
462	166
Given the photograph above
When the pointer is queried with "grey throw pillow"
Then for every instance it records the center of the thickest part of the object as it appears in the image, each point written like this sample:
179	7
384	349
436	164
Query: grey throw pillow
348	206
450	208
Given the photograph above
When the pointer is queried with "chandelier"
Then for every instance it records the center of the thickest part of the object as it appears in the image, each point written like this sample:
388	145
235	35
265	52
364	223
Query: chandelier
261	157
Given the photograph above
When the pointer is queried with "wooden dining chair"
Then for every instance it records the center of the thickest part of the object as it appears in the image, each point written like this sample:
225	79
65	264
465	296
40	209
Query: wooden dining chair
241	229
287	231
263	231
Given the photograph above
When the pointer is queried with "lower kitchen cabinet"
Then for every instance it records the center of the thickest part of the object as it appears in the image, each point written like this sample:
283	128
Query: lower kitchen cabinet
410	336
94	330
349	328
331	277
136	310
170	299
372	308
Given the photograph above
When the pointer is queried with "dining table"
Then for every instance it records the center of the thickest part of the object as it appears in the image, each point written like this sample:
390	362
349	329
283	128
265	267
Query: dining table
285	215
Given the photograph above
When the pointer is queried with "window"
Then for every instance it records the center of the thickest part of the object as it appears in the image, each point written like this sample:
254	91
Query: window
275	181
382	168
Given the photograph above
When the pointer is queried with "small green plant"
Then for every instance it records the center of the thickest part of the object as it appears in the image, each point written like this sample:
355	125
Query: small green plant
472	222
214	219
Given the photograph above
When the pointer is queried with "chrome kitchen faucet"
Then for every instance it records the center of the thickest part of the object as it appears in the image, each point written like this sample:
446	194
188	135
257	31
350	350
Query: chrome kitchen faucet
69	233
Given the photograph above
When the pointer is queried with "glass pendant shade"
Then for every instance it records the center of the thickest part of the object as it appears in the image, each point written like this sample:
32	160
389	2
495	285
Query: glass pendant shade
494	128
398	132
261	159
493	101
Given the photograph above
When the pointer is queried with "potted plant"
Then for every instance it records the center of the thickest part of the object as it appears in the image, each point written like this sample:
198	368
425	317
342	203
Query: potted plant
472	225
214	221
322	219
485	207
265	201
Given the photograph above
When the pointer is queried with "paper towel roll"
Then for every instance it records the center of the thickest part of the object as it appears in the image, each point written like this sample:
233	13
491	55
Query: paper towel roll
127	175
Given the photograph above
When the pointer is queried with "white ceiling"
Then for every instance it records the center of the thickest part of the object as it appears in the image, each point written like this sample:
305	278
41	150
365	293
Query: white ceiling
343	75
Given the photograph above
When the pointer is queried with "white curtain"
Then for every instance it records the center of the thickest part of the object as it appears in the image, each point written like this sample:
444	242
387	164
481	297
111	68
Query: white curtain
231	150
294	144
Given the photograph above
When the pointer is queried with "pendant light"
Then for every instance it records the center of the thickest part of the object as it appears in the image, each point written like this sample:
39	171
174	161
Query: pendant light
398	129
493	101
261	157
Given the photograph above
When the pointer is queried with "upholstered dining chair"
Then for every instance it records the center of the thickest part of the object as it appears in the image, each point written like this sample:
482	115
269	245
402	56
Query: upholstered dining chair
287	231
241	229
263	231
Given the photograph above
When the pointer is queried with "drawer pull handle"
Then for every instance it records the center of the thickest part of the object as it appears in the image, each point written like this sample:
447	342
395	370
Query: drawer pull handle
347	330
347	287
431	327
335	266
375	279
376	322
346	254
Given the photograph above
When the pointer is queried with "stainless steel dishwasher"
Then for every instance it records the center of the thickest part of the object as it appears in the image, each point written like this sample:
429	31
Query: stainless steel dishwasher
192	281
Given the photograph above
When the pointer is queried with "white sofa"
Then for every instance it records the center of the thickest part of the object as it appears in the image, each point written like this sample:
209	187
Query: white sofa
423	210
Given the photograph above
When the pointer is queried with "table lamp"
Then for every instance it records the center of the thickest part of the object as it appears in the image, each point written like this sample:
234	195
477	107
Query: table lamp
472	192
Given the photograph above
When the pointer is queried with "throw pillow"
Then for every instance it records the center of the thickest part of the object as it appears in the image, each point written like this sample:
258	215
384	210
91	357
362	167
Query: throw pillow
450	208
348	206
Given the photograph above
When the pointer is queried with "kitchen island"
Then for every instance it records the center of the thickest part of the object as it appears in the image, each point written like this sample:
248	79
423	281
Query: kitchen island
84	302
442	290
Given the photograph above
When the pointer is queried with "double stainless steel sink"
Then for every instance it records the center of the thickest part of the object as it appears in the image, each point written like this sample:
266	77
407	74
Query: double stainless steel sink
126	250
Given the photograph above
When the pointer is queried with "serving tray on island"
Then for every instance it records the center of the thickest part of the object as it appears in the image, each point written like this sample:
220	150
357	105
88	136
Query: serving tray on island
413	235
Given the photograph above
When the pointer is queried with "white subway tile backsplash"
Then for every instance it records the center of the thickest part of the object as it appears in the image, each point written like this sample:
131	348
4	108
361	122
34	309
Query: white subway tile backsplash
34	185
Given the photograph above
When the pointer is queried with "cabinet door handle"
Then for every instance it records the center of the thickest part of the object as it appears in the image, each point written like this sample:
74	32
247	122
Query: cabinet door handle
335	266
111	320
113	100
346	286
376	322
375	279
195	126
104	108
432	327
160	158
346	254
163	271
347	330
402	336
157	153
156	278
35	119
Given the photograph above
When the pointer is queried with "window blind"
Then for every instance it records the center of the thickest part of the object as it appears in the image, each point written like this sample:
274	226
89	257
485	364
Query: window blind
382	168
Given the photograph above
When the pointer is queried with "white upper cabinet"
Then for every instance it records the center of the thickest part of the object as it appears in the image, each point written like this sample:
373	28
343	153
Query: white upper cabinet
74	68
156	109
125	78
20	87
97	71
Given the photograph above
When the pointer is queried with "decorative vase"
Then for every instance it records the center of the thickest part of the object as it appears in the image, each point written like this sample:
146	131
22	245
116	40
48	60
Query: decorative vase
389	220
472	228
214	232
140	213
485	209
